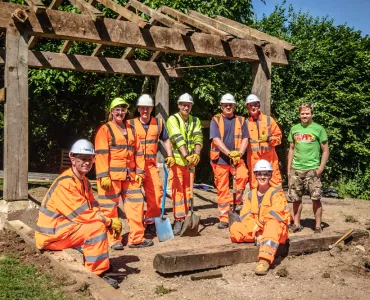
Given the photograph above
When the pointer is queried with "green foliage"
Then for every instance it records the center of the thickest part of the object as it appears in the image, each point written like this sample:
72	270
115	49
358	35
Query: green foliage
161	290
350	219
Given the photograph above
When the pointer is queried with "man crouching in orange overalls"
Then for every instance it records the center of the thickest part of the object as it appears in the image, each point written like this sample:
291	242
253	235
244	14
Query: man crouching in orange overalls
264	218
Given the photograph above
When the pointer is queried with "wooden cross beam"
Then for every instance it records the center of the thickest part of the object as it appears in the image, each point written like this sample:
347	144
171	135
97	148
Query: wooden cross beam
37	6
83	63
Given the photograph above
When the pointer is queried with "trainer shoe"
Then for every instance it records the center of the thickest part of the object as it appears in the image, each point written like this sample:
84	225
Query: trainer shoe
317	230
262	267
146	243
177	226
112	282
294	228
222	225
117	246
150	229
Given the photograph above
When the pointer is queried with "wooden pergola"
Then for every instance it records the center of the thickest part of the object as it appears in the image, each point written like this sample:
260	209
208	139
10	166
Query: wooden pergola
167	31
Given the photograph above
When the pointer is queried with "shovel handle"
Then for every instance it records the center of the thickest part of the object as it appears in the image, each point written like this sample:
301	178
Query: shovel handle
234	188
164	188
192	171
342	238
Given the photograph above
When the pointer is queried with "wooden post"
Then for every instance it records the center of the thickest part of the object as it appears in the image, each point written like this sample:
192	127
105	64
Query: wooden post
16	115
261	85
162	107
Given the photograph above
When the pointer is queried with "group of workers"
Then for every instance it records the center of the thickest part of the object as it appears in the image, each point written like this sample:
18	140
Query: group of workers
125	155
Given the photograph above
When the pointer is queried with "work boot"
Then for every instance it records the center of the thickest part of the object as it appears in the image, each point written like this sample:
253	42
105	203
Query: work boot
294	228
262	267
317	230
233	217
146	243
117	246
222	225
112	282
150	229
177	226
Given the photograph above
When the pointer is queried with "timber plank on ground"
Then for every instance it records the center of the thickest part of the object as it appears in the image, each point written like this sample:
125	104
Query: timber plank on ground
230	254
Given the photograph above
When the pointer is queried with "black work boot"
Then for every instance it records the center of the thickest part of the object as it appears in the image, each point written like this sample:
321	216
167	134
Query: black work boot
233	217
222	225
112	282
146	243
117	246
177	226
151	230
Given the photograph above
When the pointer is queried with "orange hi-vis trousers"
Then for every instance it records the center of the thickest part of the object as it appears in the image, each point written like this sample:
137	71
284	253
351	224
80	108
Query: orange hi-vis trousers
133	204
224	198
92	237
179	180
152	185
273	234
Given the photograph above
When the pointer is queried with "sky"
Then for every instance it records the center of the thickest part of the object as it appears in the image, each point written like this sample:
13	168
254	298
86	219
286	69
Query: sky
356	13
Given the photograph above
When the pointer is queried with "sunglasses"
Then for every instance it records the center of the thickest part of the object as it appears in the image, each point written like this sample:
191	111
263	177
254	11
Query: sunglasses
262	174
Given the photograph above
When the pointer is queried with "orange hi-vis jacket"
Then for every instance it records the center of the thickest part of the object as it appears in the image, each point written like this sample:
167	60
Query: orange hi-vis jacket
239	121
118	157
68	204
273	206
149	138
264	124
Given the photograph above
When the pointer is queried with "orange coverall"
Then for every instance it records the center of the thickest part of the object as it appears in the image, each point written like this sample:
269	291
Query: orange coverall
152	183
272	216
70	217
121	159
263	150
221	172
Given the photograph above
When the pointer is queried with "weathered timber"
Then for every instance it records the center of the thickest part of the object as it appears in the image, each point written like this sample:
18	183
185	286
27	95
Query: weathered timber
64	25
261	81
2	94
162	108
206	275
84	63
161	18
16	115
230	254
195	22
87	9
256	33
37	6
66	264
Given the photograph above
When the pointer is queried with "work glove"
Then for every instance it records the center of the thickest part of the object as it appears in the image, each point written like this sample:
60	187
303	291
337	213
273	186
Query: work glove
235	157
115	228
196	159
139	178
106	183
264	137
189	159
170	161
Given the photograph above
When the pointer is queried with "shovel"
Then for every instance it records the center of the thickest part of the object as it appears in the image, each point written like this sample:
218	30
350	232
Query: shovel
232	214
191	223
162	223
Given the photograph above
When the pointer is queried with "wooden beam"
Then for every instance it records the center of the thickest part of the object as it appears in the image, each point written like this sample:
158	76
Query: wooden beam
161	18
87	9
195	23
261	81
256	33
68	26
37	6
162	108
124	12
84	63
230	254
16	115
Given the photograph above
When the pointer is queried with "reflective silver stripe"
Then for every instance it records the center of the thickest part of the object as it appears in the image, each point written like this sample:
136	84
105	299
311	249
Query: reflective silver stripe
268	125
245	215
223	205
110	197
102	174
253	149
197	133
108	205
78	211
175	136
250	195
97	257
221	212
237	136
149	142
130	192
53	187
122	147
96	239
270	243
112	134
102	151
253	141
215	150
179	139
117	169
276	215
48	230
267	252
179	203
266	148
88	185
183	214
49	213
94	204
151	155
139	171
104	220
134	200
140	153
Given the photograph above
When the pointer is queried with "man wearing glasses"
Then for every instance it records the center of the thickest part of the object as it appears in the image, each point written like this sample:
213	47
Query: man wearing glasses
265	135
229	136
263	219
185	132
69	216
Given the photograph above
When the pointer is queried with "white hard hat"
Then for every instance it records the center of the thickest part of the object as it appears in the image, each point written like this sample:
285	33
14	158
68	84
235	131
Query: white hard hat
145	100
227	98
262	165
82	147
252	98
186	98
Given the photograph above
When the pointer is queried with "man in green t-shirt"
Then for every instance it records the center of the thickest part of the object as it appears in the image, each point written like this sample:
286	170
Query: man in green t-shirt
305	166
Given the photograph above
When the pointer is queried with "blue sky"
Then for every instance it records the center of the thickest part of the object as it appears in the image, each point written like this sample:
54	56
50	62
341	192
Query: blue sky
356	13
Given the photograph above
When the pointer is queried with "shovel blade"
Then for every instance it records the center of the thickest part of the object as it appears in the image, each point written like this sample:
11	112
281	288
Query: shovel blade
164	229
190	226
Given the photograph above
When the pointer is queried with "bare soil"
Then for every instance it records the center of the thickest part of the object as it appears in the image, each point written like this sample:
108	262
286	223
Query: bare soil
338	274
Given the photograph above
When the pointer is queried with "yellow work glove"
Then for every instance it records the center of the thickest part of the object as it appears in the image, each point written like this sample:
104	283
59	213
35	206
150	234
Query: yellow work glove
170	161
189	159
106	183
234	153
263	137
139	178
115	228
196	159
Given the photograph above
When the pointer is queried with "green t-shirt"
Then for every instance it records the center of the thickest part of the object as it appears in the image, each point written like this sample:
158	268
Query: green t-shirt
307	141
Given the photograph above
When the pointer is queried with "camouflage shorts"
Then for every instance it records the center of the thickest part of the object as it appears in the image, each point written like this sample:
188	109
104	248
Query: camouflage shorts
304	180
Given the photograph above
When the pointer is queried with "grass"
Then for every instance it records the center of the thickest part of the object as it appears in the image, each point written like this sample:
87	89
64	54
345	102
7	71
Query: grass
350	219
161	290
24	281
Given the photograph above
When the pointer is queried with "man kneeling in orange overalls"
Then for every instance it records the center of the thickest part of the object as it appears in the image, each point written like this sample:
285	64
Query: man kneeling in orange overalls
264	218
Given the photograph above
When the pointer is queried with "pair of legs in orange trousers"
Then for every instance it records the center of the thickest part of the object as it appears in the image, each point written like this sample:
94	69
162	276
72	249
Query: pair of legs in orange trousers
273	234
133	204
179	180
92	237
152	185
224	198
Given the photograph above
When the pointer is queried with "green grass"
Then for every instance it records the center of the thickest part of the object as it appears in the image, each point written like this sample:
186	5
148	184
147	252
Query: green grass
23	281
350	219
161	290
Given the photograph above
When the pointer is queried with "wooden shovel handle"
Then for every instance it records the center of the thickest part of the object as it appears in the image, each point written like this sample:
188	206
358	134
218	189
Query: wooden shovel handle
342	238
